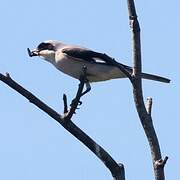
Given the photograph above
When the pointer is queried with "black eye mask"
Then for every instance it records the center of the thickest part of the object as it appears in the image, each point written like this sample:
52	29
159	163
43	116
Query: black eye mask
45	46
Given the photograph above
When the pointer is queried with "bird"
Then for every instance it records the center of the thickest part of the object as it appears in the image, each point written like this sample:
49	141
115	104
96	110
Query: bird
71	59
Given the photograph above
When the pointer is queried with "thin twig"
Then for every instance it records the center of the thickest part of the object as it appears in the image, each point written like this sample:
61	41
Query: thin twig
65	103
145	118
117	170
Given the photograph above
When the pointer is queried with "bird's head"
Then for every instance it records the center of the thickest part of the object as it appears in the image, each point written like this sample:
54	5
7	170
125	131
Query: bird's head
46	50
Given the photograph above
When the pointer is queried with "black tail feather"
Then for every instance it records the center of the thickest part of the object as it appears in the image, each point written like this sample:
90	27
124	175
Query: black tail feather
155	78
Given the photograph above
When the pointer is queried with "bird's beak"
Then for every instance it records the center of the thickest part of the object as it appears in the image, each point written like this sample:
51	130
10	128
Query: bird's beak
32	53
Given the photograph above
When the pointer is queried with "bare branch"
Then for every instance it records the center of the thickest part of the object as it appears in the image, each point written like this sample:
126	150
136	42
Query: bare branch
145	118
116	169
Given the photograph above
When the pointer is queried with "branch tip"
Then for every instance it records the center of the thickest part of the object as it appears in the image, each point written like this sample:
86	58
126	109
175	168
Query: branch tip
65	103
165	159
7	75
161	162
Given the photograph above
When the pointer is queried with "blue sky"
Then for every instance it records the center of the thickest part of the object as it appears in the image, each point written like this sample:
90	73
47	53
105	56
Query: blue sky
34	146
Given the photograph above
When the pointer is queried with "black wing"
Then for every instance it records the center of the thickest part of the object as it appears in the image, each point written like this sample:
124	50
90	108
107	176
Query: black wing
92	56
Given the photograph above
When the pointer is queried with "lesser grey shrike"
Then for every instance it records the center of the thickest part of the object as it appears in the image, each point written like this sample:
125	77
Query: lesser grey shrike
70	59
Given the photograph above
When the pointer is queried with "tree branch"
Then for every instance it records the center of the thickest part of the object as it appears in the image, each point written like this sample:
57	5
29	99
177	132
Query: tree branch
116	169
144	116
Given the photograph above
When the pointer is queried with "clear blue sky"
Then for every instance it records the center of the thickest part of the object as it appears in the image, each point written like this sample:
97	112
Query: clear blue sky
34	146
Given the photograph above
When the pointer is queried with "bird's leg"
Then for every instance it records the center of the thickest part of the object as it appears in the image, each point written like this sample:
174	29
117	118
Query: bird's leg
83	79
88	88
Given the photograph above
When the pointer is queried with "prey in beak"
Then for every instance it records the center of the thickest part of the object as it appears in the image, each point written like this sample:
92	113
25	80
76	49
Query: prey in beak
45	50
32	53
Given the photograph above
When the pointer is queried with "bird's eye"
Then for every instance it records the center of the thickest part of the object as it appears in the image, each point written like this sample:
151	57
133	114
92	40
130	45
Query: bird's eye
45	46
50	47
41	46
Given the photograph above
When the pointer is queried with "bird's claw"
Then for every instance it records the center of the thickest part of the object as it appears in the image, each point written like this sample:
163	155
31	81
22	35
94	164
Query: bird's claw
74	101
80	103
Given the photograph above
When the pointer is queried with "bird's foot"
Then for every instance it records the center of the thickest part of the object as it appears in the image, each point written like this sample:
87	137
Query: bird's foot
74	101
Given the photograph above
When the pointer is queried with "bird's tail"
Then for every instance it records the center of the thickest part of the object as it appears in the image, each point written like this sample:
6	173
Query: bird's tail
155	78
